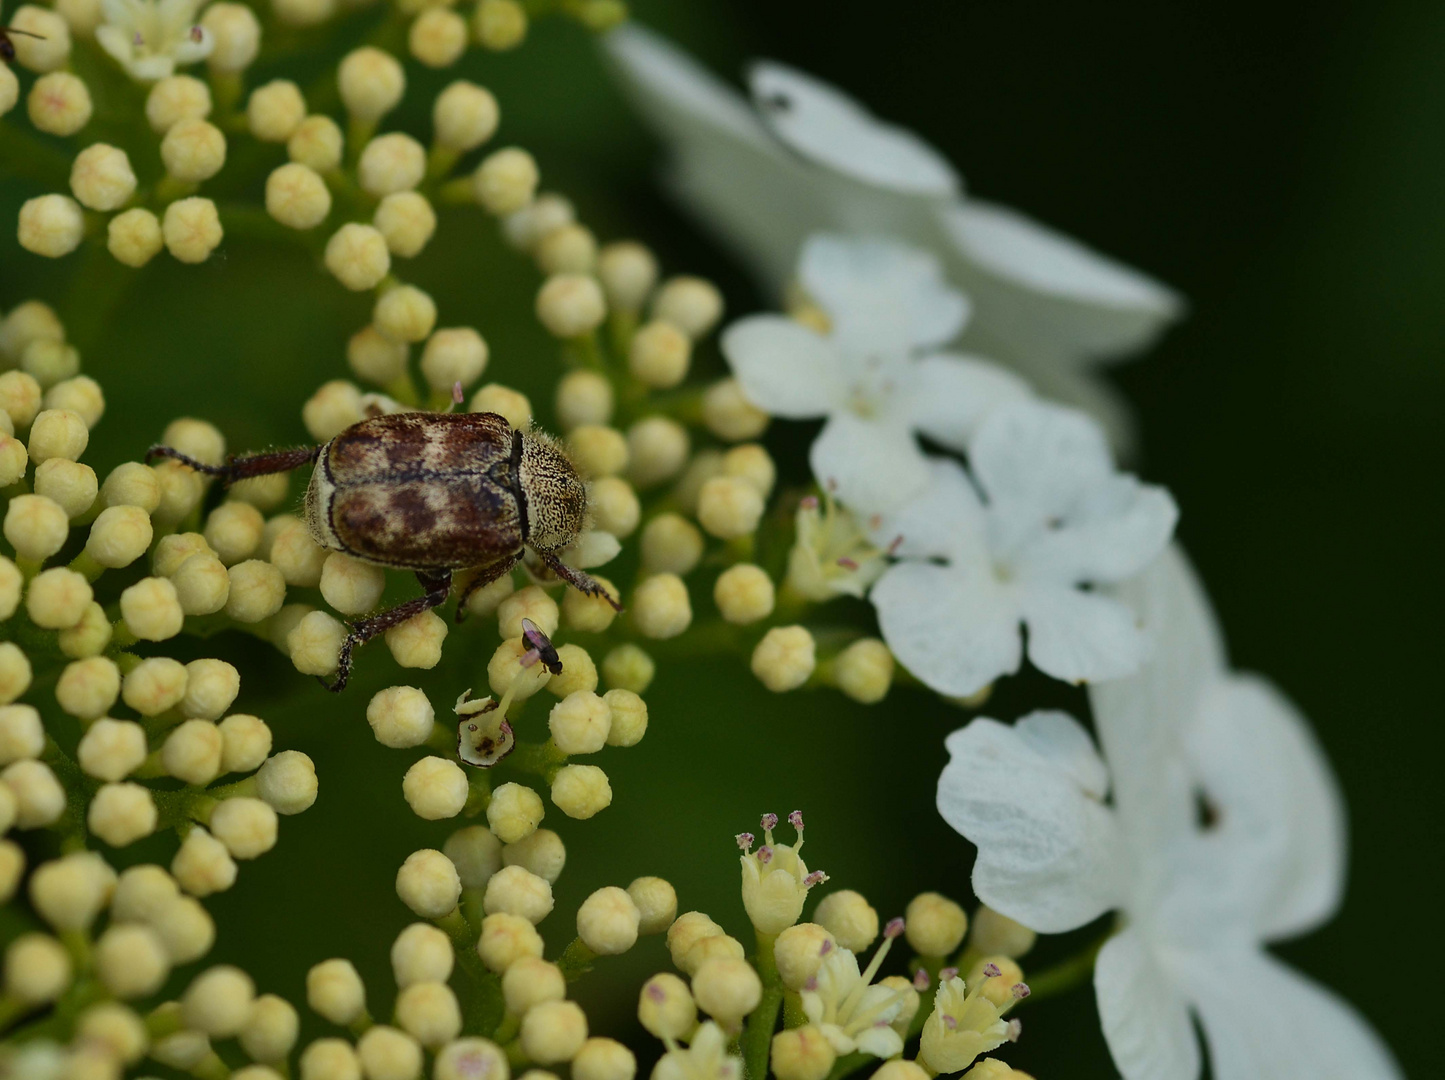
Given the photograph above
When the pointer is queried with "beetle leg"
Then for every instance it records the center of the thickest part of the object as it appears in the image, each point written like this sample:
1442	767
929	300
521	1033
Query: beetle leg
438	585
484	577
240	468
576	578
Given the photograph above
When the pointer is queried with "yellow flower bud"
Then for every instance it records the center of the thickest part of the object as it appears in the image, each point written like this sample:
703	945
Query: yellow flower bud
629	718
627	667
428	884
660	606
658	449
849	918
176	98
407	221
275	110
191	229
335	992
553	1031
785	658
270	1029
390	163
570	249
246	826
429	1012
131	961
934	924
671	544
358	257
421	954
116	1029
193	150
864	670
468	1058
134	237
37	969
628	272
437	37
59	102
691	304
371	83
581	791
39	798
512	405
154	685
569	305
500	24
404	313
580	722
514	890
531	981
464	116
111	749
22	735
330	1059
476	853
435	788
583	397
237	37
287	781
729	507
802	1053
608	921
297	197
58	433
101	177
666	1008
317	143
218	1001
996	934
57	598
659	355
799	951
202	865
15	672
245	742
257	590
505	939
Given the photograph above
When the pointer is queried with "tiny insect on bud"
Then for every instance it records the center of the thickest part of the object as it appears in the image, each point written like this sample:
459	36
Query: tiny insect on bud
505	939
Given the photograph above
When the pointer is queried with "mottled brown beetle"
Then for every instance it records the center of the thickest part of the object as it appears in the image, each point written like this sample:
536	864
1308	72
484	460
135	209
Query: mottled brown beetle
432	493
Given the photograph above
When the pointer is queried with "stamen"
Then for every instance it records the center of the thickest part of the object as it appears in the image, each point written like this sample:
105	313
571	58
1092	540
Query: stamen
138	41
1015	1029
949	1022
991	970
765	854
817	877
825	948
770	821
655	992
745	841
795	819
197	34
847	563
921	979
1020	991
947	973
894	928
894	545
812	983
457	393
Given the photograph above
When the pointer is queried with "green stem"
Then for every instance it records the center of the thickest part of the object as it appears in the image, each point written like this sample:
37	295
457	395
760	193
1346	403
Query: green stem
576	960
757	1037
849	1063
1066	975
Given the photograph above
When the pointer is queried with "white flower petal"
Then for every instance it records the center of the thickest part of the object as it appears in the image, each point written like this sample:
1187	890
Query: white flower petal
1058	737
1039	455
825	125
945	520
812	1006
1146	1022
1263	1019
115	40
1116	530
872	466
151	68
1081	637
955	631
1047	852
883	298
950	394
194	49
1278	849
1047	291
881	1042
784	367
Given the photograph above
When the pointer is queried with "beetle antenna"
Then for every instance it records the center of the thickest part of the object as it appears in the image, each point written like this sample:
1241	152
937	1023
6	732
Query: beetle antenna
27	33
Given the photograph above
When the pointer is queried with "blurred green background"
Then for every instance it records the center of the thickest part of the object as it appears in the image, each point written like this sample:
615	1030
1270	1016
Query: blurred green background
1280	165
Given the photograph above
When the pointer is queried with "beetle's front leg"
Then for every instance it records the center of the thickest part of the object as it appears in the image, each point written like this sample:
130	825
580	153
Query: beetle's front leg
576	578
241	468
438	585
484	577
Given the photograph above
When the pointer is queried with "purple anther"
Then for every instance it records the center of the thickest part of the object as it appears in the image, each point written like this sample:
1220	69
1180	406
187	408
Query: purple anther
920	980
949	1022
795	819
1015	1029
765	854
894	927
895	544
138	41
655	992
817	877
825	948
847	563
197	34
812	983
745	841
809	502
1021	990
947	974
530	657
770	821
992	971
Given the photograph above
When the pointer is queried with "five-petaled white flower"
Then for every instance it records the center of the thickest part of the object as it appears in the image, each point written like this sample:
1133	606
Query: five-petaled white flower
803	158
705	1058
854	1014
1224	832
151	37
878	375
1049	514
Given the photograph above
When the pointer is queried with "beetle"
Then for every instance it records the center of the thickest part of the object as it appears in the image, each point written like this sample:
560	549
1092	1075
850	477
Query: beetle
7	47
432	493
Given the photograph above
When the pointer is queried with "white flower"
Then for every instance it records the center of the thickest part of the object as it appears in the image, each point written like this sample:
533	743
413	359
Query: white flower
831	554
1225	832
151	37
775	879
805	158
1054	515
707	1058
853	1014
877	376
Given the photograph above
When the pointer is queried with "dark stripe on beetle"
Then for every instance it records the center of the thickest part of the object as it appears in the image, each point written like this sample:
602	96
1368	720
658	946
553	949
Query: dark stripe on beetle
517	492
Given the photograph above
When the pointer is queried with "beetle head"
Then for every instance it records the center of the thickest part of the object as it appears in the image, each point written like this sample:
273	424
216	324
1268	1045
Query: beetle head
555	494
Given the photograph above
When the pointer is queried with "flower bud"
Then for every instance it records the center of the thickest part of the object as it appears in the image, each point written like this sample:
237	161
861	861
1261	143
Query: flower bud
516	891
334	991
849	918
193	150
934	924
202	865
358	257
191	229
219	1001
428	884
12	861
37	969
303	12
116	1029
657	449
81	395
390	163
68	484
666	1008
119	536
476	853
464	116
802	1053
57	598
529	982
729	507
111	749
15	673
500	24
570	305
580	722
351	586
275	110
541	852
428	1011
727	989
404	313
514	812
371	83
628	272
996	934
297	197
134	237
583	397
435	788
421	954
437	37
271	1026
671	544
246	826
287	781
546	213
785	658
257	590
50	362
627	667
613	505
864	670
505	939
505	672
608	921
691	304
659	355
101	177
314	644
203	585
140	893
185	929
660	606
901	1069
553	1031
799	951
245	742
121	814
581	791
330	1059
59	104
299	558
656	902
317	143
154	685
237	37
13	460
407	221
11	582
590	615
181	491
597	451
233	530
509	404
628	718
51	225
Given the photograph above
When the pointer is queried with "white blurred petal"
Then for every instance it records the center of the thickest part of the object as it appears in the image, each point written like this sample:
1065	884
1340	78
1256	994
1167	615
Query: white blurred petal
883	298
945	520
1058	737
1115	531
824	124
1146	1022
950	394
1263	1019
784	368
882	1042
957	632
1047	851
1039	455
872	466
1081	637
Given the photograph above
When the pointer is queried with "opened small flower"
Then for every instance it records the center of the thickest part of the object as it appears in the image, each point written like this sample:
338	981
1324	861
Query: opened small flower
775	880
1049	515
831	555
854	1014
803	157
1225	832
878	375
965	1023
150	38
705	1058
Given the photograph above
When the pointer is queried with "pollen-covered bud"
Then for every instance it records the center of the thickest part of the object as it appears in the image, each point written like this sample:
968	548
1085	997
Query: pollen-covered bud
245	742
627	667
581	791
270	1029
358	257
567	249
437	37
628	271
335	992
864	670
435	788
570	305
371	83
464	116
500	24
37	969
237	37
802	1053
193	150
191	229
935	924
505	181
101	177
849	918
246	826
287	781
317	143
554	1031
219	1001
785	658
511	405
800	950
505	939
657	448
660	606
428	884
59	104
121	814
57	598
297	197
